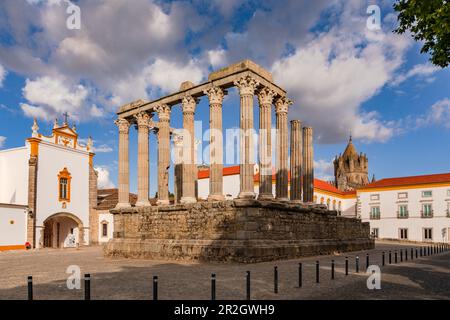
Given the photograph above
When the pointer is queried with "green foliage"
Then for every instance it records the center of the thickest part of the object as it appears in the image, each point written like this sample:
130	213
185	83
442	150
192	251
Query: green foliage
428	21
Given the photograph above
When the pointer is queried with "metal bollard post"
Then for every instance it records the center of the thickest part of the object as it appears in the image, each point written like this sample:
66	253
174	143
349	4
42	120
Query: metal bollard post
155	288
412	254
248	285
213	286
87	286
390	257
382	259
406	254
367	261
275	279
346	266
30	288
332	269
401	255
417	253
300	275
395	256
317	271
357	264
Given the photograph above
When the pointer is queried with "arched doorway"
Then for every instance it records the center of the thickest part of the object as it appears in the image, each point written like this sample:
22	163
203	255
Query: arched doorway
63	230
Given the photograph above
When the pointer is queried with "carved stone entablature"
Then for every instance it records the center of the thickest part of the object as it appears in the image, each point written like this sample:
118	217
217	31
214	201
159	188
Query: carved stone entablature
215	95
123	125
189	104
246	85
163	112
266	96
142	119
282	105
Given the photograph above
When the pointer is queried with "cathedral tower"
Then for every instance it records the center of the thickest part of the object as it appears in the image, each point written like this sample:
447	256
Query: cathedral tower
351	169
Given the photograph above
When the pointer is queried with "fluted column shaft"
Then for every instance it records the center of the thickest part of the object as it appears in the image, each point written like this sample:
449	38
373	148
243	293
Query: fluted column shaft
308	165
296	160
215	95
124	165
163	154
281	109
143	165
188	165
265	98
247	86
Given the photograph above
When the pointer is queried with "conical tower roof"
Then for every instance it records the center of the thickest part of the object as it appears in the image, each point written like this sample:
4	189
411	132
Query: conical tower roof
350	151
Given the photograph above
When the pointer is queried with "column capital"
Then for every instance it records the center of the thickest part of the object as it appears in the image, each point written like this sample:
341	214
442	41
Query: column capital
123	125
163	111
142	119
215	95
246	85
282	105
189	104
266	96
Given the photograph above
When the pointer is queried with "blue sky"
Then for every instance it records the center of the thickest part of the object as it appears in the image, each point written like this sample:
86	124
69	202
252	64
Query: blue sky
343	77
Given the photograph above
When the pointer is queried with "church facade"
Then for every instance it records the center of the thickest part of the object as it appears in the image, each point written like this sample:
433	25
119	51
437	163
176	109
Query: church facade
48	191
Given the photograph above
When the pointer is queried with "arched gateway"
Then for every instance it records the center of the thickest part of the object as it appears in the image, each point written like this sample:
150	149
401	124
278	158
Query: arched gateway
62	230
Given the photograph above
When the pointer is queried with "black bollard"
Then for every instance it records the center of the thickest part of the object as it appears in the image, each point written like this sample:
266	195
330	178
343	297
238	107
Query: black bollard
332	269
30	288
390	257
367	261
213	286
87	286
417	253
346	266
300	275
401	255
155	288
412	254
275	280
248	285
357	264
406	254
317	271
382	259
395	256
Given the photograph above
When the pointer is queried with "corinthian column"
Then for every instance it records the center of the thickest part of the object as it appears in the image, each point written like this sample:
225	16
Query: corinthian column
265	98
215	95
296	160
163	154
308	165
143	170
124	165
188	165
247	86
281	109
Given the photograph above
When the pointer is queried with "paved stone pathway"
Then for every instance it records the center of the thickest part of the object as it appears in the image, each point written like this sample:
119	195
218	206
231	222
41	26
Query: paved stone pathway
423	278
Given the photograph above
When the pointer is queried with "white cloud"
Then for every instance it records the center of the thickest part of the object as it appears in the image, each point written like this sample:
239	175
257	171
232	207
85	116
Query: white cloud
423	71
104	181
103	149
2	75
439	114
324	170
2	141
331	76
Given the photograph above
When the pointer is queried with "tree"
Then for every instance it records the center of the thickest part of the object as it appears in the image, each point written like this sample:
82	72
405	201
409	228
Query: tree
428	21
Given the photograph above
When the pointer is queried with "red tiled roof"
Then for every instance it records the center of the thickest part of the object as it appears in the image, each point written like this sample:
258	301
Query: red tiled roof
412	180
234	170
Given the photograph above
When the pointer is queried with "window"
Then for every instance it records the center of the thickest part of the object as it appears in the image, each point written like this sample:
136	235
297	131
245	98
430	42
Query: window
427	193
64	179
375	212
104	229
448	193
375	233
428	234
403	234
403	211
402	195
427	210
374	197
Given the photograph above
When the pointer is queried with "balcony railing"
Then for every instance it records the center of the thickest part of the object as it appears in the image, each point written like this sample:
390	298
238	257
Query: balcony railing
427	214
374	217
403	215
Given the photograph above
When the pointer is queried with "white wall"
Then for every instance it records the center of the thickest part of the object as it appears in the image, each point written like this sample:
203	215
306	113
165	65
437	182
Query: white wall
14	176
105	216
52	160
389	224
13	234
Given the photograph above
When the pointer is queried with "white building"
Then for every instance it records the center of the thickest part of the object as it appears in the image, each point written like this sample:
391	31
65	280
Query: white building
408	208
47	191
